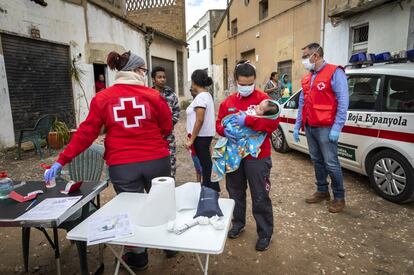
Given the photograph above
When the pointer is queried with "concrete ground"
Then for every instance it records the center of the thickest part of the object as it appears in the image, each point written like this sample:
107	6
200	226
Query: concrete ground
372	236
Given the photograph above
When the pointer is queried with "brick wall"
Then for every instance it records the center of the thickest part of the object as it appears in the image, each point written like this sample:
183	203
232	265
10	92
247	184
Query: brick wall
168	19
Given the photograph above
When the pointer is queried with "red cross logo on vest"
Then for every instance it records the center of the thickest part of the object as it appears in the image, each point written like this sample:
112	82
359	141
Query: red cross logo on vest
129	112
251	110
321	86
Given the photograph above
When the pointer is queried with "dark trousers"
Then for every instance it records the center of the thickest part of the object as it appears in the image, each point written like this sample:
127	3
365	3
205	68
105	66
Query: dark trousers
256	172
202	150
136	177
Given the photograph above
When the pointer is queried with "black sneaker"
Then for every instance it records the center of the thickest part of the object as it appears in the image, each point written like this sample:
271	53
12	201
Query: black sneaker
170	253
136	261
235	232
263	244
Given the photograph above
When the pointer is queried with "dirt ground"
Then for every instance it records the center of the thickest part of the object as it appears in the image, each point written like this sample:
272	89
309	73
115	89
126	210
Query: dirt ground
372	236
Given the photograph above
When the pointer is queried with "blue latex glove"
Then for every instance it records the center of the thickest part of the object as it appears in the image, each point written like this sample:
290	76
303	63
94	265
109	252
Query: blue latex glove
51	173
296	135
334	136
241	119
229	135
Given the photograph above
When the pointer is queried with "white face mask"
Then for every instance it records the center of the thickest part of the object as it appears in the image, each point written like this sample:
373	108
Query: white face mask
308	65
245	91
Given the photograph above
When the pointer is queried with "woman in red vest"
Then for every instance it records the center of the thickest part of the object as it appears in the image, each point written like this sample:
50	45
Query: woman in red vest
137	120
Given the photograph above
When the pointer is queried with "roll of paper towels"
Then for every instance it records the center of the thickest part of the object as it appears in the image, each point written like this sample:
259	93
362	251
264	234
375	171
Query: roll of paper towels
159	206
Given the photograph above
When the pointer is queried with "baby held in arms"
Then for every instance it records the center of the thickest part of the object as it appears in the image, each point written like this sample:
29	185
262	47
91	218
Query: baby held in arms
228	153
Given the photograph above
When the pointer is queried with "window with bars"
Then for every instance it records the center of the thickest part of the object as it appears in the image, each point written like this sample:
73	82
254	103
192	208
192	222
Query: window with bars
360	38
133	5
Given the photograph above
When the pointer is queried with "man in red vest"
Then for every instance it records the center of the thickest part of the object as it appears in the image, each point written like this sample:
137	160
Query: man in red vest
323	104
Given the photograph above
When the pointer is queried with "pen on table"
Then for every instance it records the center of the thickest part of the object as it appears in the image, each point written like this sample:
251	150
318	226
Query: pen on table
33	202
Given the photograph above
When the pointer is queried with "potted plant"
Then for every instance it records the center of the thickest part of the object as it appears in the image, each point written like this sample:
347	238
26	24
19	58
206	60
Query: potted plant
59	135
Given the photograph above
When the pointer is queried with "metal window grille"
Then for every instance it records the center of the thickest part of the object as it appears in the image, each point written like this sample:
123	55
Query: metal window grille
361	34
360	39
133	5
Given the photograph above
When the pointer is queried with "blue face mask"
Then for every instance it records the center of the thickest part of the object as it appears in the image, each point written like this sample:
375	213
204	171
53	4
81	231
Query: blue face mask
245	91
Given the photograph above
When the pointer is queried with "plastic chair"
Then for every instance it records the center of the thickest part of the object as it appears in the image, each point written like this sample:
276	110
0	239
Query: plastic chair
87	166
36	134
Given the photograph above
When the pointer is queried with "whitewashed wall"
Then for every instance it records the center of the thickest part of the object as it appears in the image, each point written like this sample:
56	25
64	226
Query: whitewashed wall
6	120
202	59
64	23
388	31
104	28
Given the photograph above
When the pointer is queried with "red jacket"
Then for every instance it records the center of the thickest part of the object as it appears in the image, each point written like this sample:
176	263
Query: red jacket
136	118
99	86
320	104
235	103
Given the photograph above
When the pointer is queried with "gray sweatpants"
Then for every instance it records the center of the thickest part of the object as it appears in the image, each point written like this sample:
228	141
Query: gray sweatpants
256	172
136	177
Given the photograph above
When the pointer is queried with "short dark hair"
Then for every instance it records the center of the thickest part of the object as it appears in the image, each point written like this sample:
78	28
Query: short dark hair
156	70
314	46
244	68
274	109
273	74
201	78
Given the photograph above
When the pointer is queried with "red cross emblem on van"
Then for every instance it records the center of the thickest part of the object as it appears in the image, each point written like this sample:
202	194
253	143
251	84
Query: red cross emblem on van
129	112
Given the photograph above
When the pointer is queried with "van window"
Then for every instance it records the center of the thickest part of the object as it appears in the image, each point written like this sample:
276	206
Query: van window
293	103
363	92
399	95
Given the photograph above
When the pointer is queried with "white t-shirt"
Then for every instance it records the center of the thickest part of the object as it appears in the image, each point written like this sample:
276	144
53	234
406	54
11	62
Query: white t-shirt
203	100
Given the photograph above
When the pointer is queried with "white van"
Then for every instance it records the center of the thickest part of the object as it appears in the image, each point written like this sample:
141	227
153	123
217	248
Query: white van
378	137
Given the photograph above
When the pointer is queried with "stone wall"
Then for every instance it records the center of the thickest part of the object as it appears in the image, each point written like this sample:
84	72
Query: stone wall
169	19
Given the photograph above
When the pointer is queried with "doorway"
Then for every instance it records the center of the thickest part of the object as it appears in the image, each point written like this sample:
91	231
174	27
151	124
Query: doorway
100	70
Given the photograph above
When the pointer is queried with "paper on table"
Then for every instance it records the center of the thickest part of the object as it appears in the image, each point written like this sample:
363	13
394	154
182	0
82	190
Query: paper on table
107	228
187	195
159	206
49	209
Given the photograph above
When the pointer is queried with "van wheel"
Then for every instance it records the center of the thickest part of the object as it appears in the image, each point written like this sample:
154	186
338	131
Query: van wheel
392	176
279	141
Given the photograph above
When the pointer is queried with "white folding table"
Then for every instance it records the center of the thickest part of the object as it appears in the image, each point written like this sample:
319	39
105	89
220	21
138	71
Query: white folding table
201	239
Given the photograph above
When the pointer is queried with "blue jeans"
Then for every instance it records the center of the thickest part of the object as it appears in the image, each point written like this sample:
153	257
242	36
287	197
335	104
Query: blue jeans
324	155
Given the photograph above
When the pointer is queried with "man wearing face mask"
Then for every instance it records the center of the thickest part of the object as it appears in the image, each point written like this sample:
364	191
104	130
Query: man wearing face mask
254	172
323	104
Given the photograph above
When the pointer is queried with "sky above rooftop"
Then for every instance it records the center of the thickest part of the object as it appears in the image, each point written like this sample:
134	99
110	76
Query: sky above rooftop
195	9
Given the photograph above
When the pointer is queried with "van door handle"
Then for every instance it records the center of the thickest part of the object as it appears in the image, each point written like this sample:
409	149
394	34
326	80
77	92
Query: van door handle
364	124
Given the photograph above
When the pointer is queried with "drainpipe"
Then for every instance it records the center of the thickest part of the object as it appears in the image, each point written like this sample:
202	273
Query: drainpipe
85	16
322	39
149	37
